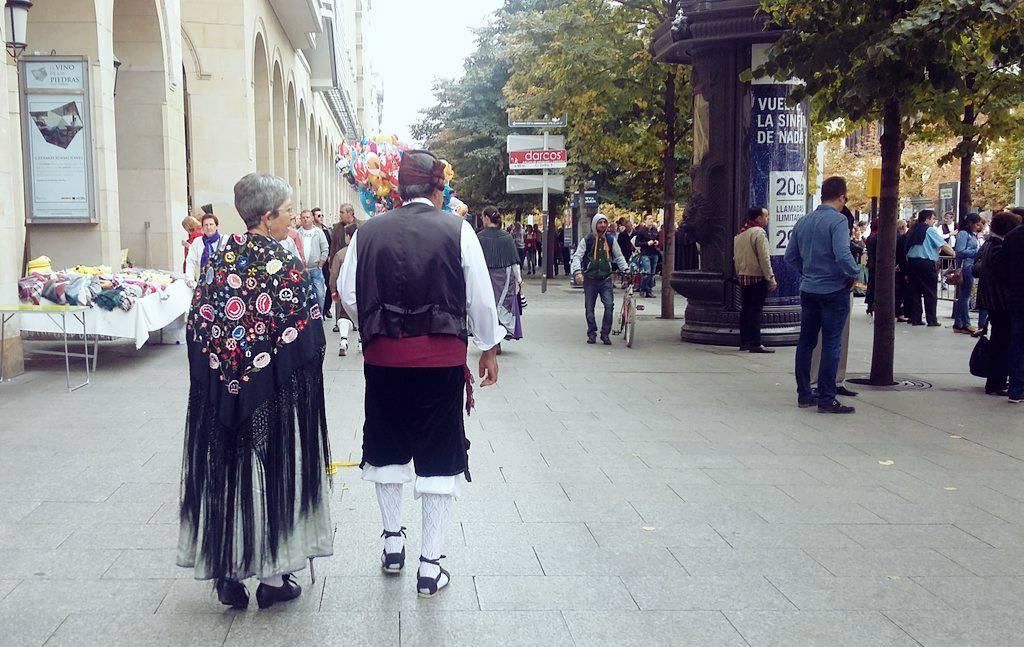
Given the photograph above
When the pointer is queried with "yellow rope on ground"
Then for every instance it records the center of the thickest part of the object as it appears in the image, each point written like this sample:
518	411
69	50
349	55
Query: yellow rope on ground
333	468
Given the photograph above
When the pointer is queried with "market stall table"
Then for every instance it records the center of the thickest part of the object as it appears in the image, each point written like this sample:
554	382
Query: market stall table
148	314
50	312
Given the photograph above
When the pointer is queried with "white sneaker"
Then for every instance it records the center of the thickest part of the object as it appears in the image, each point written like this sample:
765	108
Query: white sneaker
343	348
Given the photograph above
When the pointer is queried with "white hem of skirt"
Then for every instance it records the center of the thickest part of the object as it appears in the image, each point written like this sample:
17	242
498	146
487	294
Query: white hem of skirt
443	485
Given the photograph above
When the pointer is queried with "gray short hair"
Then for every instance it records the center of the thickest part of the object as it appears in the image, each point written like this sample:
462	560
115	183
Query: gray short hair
258	193
413	191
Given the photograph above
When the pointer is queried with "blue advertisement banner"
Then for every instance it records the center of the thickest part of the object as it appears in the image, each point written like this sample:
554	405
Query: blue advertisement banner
778	175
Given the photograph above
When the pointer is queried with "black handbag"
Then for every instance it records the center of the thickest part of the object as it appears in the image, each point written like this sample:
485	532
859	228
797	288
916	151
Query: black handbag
981	357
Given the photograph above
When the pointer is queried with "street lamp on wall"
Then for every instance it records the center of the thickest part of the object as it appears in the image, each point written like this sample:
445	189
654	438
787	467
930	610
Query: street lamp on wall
16	19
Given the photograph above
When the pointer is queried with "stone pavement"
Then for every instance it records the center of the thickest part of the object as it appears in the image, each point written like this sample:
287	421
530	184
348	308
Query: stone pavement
665	495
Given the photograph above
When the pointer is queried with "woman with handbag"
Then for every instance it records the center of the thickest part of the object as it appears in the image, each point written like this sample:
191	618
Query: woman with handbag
993	295
966	251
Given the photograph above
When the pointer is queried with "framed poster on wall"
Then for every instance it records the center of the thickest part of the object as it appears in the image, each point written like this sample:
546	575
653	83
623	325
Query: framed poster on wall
57	143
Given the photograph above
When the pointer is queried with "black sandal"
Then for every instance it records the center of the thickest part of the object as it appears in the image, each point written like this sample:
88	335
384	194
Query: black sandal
392	563
428	587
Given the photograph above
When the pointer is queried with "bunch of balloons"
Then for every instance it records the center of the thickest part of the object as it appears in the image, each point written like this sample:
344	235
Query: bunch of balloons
371	166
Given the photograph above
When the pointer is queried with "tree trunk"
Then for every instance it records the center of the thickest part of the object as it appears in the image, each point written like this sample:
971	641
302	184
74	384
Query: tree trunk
668	181
883	351
970	118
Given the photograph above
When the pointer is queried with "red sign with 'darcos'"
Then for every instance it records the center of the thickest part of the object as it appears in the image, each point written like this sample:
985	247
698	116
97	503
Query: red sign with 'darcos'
537	159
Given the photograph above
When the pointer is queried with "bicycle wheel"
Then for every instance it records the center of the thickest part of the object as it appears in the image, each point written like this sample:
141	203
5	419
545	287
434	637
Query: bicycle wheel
630	327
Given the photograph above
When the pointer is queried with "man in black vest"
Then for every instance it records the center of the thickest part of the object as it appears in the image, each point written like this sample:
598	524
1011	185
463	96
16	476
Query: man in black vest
412	280
592	268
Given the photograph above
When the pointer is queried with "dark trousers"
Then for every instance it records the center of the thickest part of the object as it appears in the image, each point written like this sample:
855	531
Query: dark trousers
1016	355
922	283
823	314
329	299
901	289
1000	341
566	259
592	289
750	314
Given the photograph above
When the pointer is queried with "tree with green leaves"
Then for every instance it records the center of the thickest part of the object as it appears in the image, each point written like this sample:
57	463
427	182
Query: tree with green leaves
872	60
628	115
976	98
468	123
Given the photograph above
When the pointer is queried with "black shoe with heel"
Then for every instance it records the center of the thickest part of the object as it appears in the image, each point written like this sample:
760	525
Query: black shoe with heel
392	563
267	596
428	587
232	594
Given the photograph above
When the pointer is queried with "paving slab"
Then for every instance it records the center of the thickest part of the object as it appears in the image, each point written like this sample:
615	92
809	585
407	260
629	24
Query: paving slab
960	628
472	628
818	629
620	497
651	629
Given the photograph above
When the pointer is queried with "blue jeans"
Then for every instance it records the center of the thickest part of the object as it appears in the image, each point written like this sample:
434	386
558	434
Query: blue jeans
1016	355
647	265
316	278
962	305
825	314
592	289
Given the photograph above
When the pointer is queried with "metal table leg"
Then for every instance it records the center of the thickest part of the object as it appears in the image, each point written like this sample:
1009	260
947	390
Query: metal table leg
4	318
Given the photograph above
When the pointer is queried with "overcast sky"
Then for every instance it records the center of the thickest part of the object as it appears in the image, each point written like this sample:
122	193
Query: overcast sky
415	41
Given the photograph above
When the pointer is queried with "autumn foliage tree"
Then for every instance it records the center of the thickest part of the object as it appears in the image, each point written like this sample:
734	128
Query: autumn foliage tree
873	60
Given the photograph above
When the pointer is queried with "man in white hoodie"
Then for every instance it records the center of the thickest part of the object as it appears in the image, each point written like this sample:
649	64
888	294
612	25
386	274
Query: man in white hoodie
592	268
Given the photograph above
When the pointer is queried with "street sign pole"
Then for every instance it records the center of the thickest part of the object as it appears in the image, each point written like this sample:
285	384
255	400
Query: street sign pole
545	245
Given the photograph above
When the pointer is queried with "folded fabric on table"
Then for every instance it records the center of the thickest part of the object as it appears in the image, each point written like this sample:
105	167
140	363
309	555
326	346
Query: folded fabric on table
108	299
31	287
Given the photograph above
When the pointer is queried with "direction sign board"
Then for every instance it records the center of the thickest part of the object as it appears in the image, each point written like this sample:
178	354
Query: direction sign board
534	142
521	184
537	159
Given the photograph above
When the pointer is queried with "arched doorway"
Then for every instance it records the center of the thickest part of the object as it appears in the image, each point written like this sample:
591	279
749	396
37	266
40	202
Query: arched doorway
261	104
280	125
149	130
305	185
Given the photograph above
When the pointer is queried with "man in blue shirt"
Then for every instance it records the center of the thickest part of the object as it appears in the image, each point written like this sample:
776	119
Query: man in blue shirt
819	248
924	244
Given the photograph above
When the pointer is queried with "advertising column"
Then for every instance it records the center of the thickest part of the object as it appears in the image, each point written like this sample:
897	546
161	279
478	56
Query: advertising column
778	169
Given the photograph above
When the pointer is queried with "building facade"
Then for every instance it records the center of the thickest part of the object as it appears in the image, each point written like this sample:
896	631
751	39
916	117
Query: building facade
185	97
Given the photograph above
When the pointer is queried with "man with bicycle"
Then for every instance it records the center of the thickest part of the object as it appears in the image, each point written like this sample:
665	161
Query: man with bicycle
592	268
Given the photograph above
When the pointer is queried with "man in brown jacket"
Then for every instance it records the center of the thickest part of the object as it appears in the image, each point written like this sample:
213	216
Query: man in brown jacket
755	276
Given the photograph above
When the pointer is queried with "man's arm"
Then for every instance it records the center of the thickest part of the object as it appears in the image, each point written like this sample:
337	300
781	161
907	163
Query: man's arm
577	257
324	246
764	260
841	249
617	256
792	256
347	282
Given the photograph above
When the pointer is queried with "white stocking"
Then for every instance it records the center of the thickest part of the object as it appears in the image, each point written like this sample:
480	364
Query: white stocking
344	328
437	509
389	497
276	581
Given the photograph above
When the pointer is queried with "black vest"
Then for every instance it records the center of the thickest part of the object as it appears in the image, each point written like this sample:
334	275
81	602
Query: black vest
409	277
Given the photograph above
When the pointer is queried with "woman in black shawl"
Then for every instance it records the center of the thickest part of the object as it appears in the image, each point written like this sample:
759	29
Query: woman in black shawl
254	491
506	275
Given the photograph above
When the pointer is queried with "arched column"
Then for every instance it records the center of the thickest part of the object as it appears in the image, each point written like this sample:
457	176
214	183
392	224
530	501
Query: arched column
293	145
280	127
150	136
262	111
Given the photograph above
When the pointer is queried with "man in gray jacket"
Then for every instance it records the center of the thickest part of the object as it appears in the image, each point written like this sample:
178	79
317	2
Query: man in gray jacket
314	252
592	268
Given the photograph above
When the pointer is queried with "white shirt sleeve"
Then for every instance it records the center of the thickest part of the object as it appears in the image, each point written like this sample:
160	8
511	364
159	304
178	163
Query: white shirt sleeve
483	314
347	281
194	258
517	272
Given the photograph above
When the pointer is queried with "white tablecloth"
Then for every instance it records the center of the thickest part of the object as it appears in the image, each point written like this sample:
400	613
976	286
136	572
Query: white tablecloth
149	314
